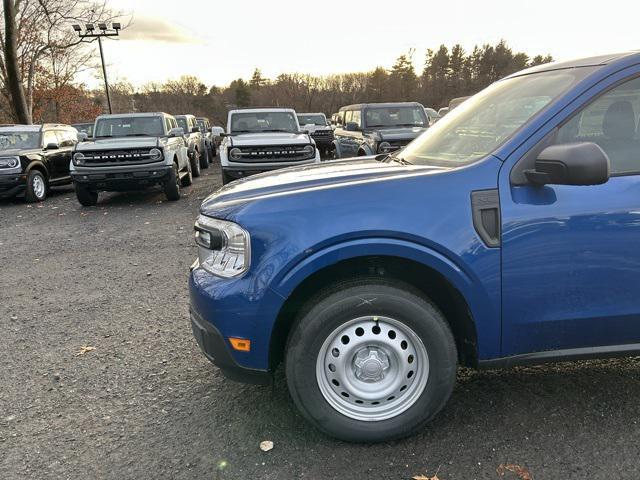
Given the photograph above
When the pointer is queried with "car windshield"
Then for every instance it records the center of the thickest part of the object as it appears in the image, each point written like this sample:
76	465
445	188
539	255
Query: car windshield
406	116
84	128
201	124
129	127
481	124
251	122
19	140
182	123
312	120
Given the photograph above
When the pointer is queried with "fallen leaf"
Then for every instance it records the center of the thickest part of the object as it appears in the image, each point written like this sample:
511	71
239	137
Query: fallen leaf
521	472
266	445
84	350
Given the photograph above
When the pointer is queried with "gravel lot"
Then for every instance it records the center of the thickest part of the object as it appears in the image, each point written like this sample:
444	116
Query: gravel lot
146	404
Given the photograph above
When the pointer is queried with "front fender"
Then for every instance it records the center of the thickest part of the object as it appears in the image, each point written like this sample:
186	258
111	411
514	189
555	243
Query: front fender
37	164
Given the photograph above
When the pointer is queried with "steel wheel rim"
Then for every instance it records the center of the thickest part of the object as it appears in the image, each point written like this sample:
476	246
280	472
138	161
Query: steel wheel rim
38	186
372	368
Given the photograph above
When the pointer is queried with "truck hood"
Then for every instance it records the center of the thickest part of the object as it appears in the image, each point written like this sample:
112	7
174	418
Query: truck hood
400	133
310	177
16	152
117	142
269	138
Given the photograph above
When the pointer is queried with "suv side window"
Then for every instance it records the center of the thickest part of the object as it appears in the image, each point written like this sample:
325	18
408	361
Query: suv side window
49	136
347	116
167	124
357	117
611	122
65	138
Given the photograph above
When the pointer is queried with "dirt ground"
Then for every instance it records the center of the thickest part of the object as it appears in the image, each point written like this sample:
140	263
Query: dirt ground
142	402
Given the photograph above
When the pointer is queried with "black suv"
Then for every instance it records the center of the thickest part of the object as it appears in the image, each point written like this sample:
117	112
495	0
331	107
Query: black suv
373	128
34	158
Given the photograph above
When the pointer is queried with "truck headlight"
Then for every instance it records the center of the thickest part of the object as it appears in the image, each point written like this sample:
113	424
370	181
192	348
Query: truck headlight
9	162
155	154
224	248
235	154
78	158
309	151
384	147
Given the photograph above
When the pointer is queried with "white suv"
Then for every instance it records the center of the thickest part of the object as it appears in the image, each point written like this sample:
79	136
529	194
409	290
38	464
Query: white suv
263	139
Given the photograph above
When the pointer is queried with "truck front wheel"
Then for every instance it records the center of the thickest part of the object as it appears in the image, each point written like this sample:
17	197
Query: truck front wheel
86	196
195	163
172	185
370	361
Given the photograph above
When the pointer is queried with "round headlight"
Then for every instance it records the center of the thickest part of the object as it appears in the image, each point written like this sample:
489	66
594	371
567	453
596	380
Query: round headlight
309	150
235	154
384	147
155	154
78	158
12	163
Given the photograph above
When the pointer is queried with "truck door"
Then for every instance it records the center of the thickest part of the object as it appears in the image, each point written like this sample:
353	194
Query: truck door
571	254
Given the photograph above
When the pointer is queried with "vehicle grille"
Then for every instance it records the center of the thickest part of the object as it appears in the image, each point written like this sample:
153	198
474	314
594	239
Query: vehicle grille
322	135
273	153
117	157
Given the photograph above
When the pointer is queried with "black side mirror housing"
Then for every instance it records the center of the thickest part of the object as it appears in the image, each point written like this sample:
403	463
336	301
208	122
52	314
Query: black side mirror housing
195	129
52	146
570	164
351	127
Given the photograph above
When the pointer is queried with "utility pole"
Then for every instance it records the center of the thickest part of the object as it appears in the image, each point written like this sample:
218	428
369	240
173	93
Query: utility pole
103	31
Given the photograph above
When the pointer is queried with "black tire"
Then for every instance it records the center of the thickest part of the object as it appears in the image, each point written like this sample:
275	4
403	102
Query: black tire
187	180
86	196
37	187
226	178
204	159
195	164
172	185
361	298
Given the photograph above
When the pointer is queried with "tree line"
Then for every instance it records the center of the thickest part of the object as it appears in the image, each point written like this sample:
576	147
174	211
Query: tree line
41	57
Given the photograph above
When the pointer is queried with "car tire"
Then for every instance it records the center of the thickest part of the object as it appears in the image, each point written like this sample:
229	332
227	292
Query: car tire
194	158
86	196
172	185
380	333
37	187
204	159
187	180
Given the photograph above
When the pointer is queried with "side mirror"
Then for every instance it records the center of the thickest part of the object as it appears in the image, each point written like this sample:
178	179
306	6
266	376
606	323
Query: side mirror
195	129
52	146
82	136
570	164
176	132
352	127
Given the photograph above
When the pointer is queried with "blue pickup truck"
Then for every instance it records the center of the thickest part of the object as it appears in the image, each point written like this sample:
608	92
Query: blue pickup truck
506	234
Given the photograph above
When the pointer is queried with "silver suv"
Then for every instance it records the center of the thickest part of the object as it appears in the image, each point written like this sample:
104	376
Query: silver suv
198	154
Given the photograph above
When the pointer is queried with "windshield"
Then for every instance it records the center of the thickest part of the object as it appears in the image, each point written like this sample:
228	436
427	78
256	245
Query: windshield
182	123
85	128
129	127
201	124
19	140
481	124
381	117
312	120
263	122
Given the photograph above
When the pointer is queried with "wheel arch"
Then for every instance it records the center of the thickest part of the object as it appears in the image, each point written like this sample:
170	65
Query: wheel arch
38	165
428	279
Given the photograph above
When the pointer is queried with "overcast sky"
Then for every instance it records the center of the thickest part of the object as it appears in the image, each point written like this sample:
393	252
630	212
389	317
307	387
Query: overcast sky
219	41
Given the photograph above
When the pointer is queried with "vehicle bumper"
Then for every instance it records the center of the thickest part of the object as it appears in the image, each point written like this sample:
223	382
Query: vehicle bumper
241	171
223	308
12	185
124	178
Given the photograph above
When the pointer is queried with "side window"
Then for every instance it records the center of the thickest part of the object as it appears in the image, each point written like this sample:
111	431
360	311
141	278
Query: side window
347	116
357	117
66	138
167	124
49	136
611	121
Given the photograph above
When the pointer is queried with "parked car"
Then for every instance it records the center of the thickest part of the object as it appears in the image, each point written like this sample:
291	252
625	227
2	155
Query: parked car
432	115
337	119
374	128
131	152
443	111
264	139
457	102
319	129
84	128
205	130
34	158
505	236
195	143
216	135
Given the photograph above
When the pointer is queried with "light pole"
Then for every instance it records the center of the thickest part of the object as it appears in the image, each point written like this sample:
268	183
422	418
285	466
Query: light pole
103	31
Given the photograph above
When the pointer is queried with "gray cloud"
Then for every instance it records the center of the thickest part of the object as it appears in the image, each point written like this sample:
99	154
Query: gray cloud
154	29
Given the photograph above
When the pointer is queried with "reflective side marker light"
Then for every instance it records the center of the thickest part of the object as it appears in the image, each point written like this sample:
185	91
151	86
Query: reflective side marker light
240	344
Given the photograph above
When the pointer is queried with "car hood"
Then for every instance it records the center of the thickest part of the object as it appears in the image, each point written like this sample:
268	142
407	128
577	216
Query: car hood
400	133
269	138
16	152
310	177
117	142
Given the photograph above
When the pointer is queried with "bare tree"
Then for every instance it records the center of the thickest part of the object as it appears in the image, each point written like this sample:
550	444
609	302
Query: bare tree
10	65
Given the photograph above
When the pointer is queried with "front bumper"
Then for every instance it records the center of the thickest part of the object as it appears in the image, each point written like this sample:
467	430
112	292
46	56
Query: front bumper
121	179
12	185
241	171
